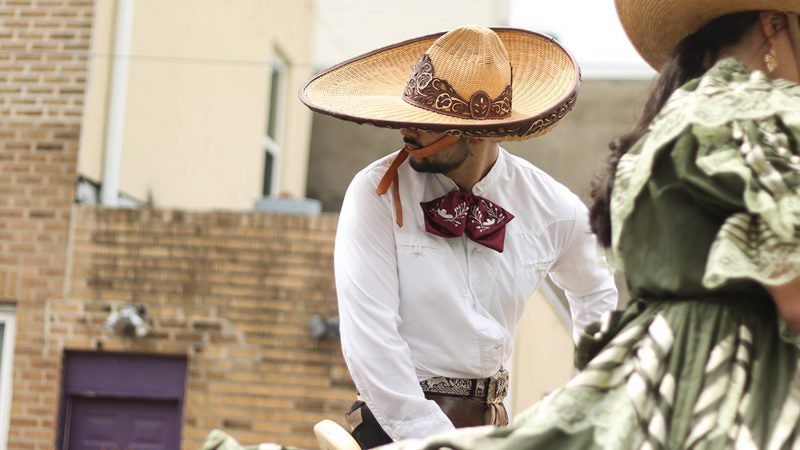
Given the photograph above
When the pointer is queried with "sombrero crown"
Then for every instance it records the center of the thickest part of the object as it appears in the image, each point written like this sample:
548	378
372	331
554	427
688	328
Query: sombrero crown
656	27
472	81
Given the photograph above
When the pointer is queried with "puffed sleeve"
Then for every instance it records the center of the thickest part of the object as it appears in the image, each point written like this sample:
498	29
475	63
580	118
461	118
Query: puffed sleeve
738	133
760	158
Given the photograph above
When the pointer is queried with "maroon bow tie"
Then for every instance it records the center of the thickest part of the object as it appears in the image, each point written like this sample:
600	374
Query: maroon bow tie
459	213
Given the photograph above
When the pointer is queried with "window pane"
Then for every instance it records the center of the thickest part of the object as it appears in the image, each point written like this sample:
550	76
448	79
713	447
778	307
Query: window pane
274	100
2	335
268	159
6	363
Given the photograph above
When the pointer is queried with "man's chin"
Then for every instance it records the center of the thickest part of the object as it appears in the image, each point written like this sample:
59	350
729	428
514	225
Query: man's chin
421	168
424	167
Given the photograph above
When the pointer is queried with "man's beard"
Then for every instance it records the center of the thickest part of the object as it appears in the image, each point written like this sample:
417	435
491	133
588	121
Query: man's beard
443	162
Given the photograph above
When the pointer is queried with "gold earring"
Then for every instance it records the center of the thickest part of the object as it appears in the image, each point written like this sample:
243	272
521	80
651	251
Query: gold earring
771	60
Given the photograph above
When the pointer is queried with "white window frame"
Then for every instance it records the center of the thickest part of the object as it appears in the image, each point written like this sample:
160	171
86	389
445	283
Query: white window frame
273	144
9	320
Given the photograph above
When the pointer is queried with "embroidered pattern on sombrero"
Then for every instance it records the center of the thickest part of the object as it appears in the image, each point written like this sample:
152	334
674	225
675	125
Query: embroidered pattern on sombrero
435	94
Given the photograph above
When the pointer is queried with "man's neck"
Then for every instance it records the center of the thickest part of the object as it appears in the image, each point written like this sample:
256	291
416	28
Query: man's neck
483	155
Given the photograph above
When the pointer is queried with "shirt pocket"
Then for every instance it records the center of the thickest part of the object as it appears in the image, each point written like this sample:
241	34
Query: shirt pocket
418	257
425	275
533	272
415	250
536	256
540	265
416	246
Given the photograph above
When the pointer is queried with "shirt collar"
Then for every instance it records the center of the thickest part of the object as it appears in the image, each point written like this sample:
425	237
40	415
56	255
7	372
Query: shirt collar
494	173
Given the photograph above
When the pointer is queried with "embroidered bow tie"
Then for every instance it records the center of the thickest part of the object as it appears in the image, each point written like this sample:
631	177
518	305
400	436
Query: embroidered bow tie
458	213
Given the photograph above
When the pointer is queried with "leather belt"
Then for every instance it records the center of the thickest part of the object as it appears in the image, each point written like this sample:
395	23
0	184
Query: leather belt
492	389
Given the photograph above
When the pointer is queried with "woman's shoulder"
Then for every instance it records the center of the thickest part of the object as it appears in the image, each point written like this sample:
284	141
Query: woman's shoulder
729	92
726	98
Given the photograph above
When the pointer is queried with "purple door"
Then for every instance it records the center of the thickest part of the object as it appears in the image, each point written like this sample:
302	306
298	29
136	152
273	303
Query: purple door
121	402
123	424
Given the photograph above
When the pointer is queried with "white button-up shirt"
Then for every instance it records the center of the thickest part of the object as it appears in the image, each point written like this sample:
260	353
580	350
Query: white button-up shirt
413	305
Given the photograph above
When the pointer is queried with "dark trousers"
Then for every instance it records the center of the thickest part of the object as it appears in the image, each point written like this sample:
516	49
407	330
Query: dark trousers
462	411
368	433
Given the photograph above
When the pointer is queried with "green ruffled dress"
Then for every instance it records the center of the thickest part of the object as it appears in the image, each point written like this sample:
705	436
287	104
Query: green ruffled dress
705	212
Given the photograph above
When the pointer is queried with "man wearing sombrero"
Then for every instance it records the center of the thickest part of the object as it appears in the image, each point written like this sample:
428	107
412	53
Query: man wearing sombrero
440	245
701	208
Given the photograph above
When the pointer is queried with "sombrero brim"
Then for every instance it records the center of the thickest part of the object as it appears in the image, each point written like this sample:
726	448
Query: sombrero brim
655	27
369	88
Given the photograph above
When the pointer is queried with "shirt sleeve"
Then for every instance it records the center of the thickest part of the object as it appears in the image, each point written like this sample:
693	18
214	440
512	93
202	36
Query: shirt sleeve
581	271
379	360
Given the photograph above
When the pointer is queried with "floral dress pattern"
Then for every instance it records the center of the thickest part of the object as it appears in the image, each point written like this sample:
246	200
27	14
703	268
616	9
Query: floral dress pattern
705	214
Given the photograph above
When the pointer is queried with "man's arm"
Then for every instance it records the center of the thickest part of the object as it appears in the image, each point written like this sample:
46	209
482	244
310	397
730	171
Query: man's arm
368	292
582	273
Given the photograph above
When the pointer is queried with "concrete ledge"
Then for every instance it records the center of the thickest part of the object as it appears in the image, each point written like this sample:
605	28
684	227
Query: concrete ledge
289	205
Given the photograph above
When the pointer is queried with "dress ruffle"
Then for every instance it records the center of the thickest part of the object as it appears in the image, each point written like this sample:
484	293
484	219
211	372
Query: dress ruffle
746	126
643	391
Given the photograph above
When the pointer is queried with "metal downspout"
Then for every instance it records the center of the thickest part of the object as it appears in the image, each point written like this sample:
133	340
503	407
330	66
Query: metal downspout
118	92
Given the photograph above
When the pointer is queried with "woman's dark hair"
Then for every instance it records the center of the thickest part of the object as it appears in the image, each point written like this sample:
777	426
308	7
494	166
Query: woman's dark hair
688	60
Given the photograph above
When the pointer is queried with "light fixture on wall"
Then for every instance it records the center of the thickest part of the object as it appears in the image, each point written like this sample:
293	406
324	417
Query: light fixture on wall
128	321
322	327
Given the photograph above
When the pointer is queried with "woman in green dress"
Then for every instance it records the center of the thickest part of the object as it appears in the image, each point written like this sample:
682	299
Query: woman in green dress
701	209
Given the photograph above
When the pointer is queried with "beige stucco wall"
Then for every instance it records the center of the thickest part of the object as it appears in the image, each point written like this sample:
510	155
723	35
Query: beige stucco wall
197	99
543	351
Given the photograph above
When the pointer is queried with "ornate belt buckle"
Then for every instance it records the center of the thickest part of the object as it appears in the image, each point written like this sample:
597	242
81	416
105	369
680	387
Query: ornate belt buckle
498	387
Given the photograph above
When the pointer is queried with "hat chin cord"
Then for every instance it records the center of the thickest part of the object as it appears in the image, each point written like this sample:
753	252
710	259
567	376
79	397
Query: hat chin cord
390	177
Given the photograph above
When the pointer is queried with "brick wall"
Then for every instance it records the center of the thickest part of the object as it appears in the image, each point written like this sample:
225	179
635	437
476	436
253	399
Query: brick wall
234	293
43	62
231	292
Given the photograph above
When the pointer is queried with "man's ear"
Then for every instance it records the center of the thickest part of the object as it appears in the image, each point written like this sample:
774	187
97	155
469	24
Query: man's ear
771	23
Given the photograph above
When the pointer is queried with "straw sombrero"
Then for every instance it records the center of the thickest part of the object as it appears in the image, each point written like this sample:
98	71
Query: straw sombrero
655	27
459	82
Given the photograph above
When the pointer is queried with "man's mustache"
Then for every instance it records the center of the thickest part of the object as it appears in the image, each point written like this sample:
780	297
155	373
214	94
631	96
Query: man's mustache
411	142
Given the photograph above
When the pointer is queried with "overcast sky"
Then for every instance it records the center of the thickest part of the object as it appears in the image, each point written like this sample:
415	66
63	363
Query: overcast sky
589	29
